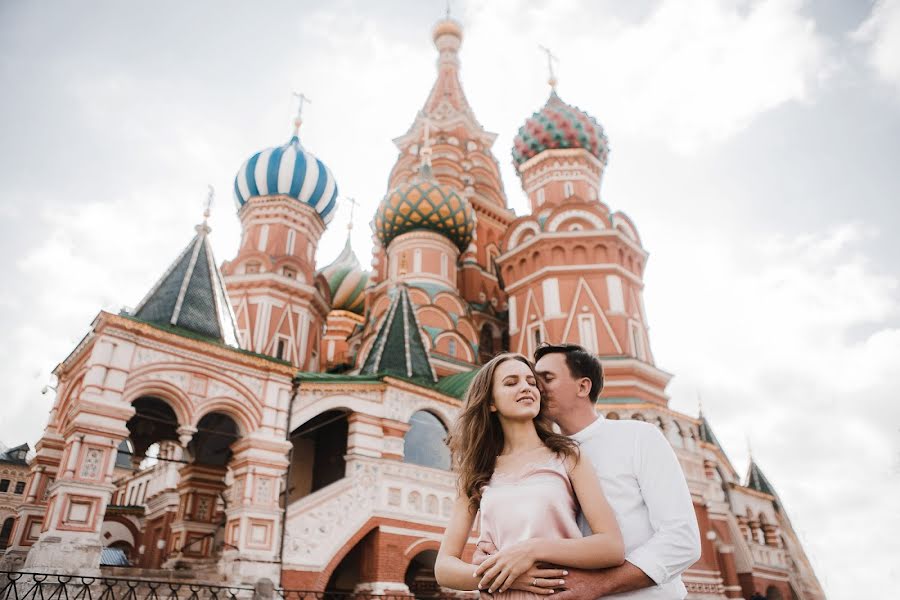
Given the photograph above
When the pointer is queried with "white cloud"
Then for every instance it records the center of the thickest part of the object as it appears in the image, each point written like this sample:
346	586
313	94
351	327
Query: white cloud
764	335
881	35
787	337
689	74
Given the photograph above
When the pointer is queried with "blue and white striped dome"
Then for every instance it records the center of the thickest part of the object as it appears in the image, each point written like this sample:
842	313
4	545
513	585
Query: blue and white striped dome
289	170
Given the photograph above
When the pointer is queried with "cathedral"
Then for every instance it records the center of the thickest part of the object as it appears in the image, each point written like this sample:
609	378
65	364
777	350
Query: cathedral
269	417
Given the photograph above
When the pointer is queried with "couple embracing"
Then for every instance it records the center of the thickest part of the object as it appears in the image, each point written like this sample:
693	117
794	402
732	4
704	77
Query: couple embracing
601	509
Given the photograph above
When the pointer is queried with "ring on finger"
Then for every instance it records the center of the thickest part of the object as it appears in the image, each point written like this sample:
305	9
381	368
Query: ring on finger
534	582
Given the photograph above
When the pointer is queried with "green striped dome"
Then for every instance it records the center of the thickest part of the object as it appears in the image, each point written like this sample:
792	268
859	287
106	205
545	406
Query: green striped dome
347	281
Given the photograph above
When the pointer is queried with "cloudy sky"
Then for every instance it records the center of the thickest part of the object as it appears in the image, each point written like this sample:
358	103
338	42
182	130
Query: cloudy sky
754	142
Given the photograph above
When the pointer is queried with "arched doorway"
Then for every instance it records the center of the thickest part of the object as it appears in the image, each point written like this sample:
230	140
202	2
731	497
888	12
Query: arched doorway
6	532
317	459
152	432
425	442
153	421
420	576
347	574
198	532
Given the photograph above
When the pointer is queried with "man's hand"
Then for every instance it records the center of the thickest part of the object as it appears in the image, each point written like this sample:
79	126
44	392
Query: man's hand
588	585
539	579
500	570
581	585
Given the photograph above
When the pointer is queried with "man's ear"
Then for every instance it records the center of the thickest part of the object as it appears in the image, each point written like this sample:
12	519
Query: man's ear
584	387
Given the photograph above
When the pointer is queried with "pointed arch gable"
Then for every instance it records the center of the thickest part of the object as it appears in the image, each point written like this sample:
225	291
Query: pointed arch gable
530	301
246	419
463	343
173	396
432	316
583	288
448	302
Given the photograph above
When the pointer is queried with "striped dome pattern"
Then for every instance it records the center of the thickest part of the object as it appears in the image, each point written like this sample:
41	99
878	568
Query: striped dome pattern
425	204
289	170
347	281
559	125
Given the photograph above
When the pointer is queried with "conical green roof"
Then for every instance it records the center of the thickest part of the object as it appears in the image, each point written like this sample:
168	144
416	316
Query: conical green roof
191	295
756	480
399	348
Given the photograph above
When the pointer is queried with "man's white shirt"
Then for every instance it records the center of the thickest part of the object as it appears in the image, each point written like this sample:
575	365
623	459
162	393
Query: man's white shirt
645	487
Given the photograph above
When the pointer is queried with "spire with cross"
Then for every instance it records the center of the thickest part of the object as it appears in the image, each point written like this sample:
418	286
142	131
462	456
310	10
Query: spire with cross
551	58
298	120
353	204
207	209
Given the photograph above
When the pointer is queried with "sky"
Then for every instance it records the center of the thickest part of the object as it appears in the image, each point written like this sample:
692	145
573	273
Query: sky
755	144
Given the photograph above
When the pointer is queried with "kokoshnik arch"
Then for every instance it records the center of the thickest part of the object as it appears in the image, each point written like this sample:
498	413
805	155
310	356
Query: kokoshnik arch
297	413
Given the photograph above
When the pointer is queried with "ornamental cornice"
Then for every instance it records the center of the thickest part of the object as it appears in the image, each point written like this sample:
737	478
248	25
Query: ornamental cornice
617	234
283	204
144	334
78	352
560	153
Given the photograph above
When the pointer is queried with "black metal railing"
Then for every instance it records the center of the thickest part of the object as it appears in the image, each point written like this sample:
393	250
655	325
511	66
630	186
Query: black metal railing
24	585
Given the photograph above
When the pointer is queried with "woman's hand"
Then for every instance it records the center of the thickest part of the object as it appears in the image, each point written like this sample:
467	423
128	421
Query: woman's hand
501	570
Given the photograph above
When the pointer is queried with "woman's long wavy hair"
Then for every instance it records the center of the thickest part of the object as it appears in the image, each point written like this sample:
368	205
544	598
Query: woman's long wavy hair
476	439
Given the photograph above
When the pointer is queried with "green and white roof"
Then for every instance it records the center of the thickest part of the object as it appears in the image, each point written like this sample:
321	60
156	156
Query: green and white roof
191	295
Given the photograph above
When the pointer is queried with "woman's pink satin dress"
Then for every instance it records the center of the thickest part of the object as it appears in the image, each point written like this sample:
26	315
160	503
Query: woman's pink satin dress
537	502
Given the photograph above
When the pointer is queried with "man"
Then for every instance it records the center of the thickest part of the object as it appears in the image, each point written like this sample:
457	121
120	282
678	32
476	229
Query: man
641	478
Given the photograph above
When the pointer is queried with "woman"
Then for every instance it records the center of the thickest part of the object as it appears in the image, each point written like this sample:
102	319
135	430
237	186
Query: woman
528	483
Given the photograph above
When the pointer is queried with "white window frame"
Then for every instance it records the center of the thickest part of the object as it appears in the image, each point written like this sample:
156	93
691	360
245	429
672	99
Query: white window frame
540	197
417	260
568	189
287	347
615	293
587	332
263	238
445	265
513	317
529	331
550	288
291	239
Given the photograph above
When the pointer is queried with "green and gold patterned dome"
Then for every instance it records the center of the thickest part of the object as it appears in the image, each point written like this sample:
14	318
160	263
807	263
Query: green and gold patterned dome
425	204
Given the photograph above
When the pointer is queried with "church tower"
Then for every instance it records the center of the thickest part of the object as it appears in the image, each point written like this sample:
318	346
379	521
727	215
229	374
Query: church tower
438	229
285	196
573	268
461	160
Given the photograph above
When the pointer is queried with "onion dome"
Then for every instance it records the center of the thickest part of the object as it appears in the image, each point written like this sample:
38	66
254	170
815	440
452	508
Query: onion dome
347	281
289	170
559	125
425	204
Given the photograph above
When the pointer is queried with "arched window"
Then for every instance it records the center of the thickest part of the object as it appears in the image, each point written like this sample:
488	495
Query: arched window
5	532
424	443
486	344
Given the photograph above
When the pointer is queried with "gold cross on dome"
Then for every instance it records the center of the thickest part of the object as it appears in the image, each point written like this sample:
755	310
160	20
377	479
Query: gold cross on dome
551	58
